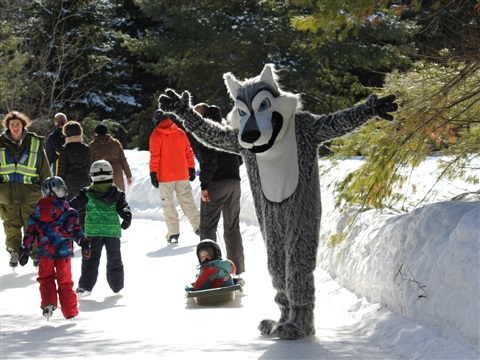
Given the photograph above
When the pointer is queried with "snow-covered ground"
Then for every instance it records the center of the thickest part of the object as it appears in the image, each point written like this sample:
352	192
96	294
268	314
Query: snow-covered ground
400	286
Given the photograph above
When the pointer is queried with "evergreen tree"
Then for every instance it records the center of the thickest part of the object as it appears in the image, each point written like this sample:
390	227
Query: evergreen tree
439	94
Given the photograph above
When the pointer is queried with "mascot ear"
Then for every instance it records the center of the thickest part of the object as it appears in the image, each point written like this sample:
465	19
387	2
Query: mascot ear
268	76
232	85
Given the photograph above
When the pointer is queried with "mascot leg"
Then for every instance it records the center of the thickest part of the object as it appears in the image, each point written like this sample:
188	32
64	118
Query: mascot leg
276	268
300	288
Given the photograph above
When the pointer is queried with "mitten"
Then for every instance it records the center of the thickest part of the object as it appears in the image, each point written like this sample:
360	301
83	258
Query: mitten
191	174
23	255
154	179
84	243
173	102
86	252
382	106
125	224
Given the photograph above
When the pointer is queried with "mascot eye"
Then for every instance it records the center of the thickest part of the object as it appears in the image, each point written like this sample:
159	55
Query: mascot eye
241	112
264	105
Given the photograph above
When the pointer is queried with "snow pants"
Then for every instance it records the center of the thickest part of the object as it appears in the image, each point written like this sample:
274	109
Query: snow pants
183	190
53	272
15	217
115	274
224	198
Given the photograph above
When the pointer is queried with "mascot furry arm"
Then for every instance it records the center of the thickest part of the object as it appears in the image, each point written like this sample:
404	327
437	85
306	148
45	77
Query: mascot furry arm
279	143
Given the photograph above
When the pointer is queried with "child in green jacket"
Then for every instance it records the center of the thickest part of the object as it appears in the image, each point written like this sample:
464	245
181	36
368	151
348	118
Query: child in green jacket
103	203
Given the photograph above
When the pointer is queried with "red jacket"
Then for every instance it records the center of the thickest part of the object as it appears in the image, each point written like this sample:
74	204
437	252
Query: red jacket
170	152
214	274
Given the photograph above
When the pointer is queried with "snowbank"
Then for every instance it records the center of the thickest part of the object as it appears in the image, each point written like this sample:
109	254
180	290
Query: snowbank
423	265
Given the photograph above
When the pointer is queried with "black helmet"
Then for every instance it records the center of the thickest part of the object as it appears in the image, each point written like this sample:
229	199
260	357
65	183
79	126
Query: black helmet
54	186
158	116
209	244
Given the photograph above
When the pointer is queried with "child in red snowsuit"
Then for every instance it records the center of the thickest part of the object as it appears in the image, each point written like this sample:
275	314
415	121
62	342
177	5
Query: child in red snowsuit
54	224
214	272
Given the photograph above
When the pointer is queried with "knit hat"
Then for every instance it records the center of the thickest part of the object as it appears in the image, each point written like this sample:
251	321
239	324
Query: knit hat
159	116
72	128
101	129
214	113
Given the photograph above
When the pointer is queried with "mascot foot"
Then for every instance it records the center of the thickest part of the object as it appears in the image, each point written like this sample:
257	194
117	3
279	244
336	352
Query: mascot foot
268	327
300	324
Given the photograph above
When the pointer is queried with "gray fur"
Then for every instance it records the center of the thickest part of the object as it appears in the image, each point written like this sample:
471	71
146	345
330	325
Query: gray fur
290	228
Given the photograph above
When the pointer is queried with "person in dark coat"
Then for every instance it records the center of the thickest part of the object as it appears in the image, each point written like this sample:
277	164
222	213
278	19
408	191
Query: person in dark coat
74	162
54	142
220	185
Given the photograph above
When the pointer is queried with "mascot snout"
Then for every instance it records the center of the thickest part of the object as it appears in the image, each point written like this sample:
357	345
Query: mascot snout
251	132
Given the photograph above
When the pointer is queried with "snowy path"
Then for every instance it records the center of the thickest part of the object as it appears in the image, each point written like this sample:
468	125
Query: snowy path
149	320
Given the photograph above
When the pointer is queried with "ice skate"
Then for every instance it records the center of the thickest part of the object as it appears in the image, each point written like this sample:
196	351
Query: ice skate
48	311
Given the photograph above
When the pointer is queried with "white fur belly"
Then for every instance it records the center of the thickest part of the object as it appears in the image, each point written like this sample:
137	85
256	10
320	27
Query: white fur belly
278	170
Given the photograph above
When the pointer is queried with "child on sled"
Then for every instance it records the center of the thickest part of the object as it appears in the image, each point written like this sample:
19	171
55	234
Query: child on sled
213	271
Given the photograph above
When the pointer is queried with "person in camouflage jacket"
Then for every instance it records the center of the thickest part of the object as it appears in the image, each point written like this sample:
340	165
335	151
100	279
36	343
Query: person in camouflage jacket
103	203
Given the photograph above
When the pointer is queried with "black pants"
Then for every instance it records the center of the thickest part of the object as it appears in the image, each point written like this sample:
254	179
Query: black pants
115	275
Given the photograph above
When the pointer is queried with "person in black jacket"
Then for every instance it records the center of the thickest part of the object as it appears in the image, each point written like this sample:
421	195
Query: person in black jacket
74	162
220	185
54	142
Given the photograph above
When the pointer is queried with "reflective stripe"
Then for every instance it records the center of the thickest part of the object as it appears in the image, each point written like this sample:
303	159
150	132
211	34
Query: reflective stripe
21	172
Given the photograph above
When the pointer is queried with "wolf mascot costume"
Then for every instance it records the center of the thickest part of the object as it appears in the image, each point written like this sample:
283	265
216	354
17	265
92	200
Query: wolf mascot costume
279	143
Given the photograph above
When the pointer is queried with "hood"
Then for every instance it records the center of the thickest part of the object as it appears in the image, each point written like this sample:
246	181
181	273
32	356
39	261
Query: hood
50	208
166	127
103	139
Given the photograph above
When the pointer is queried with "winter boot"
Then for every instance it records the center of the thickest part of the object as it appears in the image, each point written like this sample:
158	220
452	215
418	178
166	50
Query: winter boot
173	239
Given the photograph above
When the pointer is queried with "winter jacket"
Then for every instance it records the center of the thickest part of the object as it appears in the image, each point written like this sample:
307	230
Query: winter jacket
53	223
170	153
54	142
74	166
218	165
105	147
214	274
103	203
23	168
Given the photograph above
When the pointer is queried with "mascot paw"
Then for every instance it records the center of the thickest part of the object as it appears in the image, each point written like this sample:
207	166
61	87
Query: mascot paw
292	332
268	327
382	106
172	102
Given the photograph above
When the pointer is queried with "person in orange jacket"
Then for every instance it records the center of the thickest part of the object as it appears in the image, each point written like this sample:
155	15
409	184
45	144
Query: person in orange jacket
172	166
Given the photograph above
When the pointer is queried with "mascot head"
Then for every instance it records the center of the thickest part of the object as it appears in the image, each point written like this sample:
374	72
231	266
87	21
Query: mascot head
262	111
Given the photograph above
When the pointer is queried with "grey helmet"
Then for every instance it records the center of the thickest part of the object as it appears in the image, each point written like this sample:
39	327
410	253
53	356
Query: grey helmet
54	186
101	170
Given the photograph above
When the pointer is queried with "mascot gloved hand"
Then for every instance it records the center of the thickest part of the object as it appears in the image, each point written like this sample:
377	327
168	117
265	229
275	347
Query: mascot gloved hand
381	106
173	102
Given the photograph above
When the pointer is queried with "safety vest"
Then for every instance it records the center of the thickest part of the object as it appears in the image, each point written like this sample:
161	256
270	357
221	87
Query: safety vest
25	170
